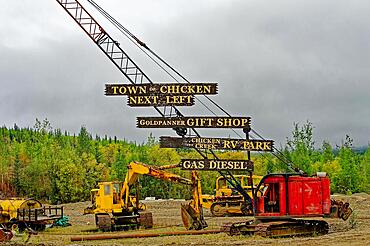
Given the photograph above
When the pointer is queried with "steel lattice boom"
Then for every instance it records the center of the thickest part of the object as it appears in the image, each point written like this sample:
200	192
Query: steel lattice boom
130	70
105	42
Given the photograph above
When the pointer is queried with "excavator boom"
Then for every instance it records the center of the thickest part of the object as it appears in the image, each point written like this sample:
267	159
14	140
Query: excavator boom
192	213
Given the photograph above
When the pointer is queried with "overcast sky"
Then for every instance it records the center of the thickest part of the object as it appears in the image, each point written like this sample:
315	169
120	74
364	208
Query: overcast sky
279	62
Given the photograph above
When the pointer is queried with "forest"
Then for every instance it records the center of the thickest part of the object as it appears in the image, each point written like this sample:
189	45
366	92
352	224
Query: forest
55	166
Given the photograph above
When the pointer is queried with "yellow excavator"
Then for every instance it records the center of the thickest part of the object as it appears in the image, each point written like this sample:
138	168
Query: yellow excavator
114	208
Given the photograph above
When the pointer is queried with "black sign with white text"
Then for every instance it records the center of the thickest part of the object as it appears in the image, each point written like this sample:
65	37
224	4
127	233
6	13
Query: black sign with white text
215	165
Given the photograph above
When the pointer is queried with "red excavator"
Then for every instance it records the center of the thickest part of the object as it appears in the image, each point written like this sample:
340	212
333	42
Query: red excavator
281	201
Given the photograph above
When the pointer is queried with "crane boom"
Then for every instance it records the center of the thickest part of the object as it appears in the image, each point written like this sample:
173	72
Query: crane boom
104	41
132	71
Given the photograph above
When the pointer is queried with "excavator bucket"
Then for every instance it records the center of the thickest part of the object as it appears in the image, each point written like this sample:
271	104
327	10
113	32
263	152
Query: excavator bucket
345	211
191	219
187	220
340	209
5	235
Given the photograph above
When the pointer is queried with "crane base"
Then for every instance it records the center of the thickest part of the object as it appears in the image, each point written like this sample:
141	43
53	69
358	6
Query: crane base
278	228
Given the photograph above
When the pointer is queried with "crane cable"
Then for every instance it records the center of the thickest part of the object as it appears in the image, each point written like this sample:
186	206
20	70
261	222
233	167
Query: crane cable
142	45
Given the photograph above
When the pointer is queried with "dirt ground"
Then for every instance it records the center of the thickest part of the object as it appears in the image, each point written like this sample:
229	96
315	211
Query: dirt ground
166	216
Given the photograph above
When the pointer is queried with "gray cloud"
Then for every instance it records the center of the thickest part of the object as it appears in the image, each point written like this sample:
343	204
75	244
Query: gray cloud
279	62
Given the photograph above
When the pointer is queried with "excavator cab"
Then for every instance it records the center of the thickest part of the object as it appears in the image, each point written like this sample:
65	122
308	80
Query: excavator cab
271	195
271	198
106	197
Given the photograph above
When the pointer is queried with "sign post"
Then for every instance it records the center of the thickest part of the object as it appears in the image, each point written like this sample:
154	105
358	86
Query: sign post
246	131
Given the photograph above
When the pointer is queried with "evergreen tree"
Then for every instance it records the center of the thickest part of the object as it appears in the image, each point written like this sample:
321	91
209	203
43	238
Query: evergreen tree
17	175
83	140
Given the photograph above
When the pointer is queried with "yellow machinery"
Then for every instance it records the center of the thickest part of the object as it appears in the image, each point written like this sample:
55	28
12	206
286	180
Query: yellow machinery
9	207
227	201
27	213
114	207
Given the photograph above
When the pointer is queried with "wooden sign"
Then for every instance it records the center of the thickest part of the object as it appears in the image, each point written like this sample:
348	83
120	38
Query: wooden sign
160	100
215	165
161	88
193	122
216	143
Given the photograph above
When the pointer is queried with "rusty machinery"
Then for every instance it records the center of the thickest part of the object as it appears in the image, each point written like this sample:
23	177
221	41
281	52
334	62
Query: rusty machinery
115	208
273	206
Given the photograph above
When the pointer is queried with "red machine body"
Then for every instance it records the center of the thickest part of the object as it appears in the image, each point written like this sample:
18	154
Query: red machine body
287	195
281	198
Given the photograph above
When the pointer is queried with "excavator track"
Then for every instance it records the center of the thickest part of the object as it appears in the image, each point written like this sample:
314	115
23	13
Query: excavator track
103	222
278	228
